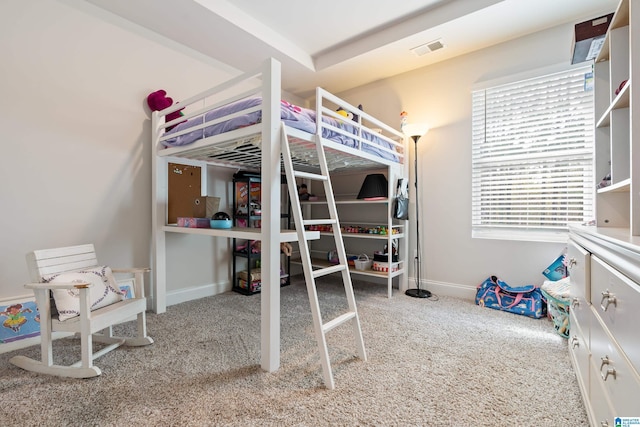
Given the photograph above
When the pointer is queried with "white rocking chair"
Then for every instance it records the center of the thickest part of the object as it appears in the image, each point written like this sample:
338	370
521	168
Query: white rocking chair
90	325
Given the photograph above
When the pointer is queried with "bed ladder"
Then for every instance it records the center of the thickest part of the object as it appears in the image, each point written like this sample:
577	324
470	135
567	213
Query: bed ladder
309	273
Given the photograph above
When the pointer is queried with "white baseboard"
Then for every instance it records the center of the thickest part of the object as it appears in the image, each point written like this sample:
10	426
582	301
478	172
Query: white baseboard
467	292
196	292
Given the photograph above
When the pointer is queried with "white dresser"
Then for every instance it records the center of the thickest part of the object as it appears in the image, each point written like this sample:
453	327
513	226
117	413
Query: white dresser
605	321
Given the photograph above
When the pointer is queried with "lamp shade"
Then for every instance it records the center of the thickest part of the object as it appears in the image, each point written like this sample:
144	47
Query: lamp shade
415	130
374	187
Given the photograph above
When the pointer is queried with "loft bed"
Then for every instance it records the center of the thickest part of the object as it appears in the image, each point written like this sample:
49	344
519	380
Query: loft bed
240	124
229	133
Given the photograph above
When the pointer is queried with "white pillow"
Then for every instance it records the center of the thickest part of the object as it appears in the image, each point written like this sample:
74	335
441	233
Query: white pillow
105	290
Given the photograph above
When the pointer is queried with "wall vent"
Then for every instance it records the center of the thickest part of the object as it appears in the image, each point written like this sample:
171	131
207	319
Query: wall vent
423	49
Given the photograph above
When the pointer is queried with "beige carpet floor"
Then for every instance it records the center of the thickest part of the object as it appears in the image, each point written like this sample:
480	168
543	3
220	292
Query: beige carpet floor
437	362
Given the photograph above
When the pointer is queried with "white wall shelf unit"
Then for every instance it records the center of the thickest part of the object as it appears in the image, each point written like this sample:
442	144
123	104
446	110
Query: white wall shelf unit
604	259
616	123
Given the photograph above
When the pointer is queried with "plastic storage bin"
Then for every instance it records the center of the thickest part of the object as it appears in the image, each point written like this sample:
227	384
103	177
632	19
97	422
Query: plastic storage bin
558	301
363	262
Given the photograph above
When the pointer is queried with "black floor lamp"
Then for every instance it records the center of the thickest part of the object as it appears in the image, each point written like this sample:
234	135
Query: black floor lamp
416	131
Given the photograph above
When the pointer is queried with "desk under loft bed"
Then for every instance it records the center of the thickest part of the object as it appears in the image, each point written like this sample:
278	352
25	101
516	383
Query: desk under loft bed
238	124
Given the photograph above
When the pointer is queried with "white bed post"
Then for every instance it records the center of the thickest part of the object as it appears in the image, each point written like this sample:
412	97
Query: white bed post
270	229
395	173
158	220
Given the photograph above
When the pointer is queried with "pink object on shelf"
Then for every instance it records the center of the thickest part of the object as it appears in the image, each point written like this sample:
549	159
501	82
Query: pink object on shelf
193	222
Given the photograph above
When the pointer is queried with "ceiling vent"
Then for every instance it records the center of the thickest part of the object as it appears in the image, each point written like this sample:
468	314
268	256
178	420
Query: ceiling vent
423	49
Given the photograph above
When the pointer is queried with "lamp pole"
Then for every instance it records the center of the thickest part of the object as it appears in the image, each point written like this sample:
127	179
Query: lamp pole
417	293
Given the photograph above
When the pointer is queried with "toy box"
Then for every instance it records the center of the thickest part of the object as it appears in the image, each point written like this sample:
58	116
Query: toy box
254	286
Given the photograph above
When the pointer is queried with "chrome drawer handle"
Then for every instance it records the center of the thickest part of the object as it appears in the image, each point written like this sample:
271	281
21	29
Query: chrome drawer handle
609	298
575	342
575	302
604	361
610	371
572	263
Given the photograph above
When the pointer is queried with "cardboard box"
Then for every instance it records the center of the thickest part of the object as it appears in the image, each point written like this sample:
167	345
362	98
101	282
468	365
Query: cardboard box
588	38
255	275
206	206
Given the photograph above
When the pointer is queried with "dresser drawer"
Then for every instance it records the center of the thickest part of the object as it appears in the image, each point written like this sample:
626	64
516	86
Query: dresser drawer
601	412
579	266
579	353
579	314
616	299
611	371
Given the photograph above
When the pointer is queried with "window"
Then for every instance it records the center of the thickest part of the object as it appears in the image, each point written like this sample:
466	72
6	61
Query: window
532	156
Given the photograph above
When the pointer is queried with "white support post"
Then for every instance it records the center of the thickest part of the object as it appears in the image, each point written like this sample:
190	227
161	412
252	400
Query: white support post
270	228
403	245
159	195
391	190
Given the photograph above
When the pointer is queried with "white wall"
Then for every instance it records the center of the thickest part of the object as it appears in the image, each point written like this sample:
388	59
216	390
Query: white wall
440	95
75	139
75	136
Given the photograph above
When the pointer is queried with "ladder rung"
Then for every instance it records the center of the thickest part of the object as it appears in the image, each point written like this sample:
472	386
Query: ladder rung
329	270
338	321
319	221
307	175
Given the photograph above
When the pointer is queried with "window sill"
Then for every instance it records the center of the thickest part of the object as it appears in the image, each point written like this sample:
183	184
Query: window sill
522	235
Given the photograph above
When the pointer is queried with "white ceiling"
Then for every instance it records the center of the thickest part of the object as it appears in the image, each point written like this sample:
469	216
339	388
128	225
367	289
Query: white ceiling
340	45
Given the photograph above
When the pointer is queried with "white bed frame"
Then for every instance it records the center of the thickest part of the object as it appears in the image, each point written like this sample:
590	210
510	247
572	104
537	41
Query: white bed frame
265	82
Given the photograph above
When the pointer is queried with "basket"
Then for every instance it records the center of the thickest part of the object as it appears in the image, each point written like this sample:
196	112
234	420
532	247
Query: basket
363	262
385	267
557	295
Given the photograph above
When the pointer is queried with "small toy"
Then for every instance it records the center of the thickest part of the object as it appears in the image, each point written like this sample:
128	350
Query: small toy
348	114
344	113
624	82
404	119
220	220
286	248
303	192
332	257
253	208
158	101
256	247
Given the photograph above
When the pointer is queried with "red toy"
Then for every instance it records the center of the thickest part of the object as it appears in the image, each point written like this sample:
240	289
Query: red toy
158	101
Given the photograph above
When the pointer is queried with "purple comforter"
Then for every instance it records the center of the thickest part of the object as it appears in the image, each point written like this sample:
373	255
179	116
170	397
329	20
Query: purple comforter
292	115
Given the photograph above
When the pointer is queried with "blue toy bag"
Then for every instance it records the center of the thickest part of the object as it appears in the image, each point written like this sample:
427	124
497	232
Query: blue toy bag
525	300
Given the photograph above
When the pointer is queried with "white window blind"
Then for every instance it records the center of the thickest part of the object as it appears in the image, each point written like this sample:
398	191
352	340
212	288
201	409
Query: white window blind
532	156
